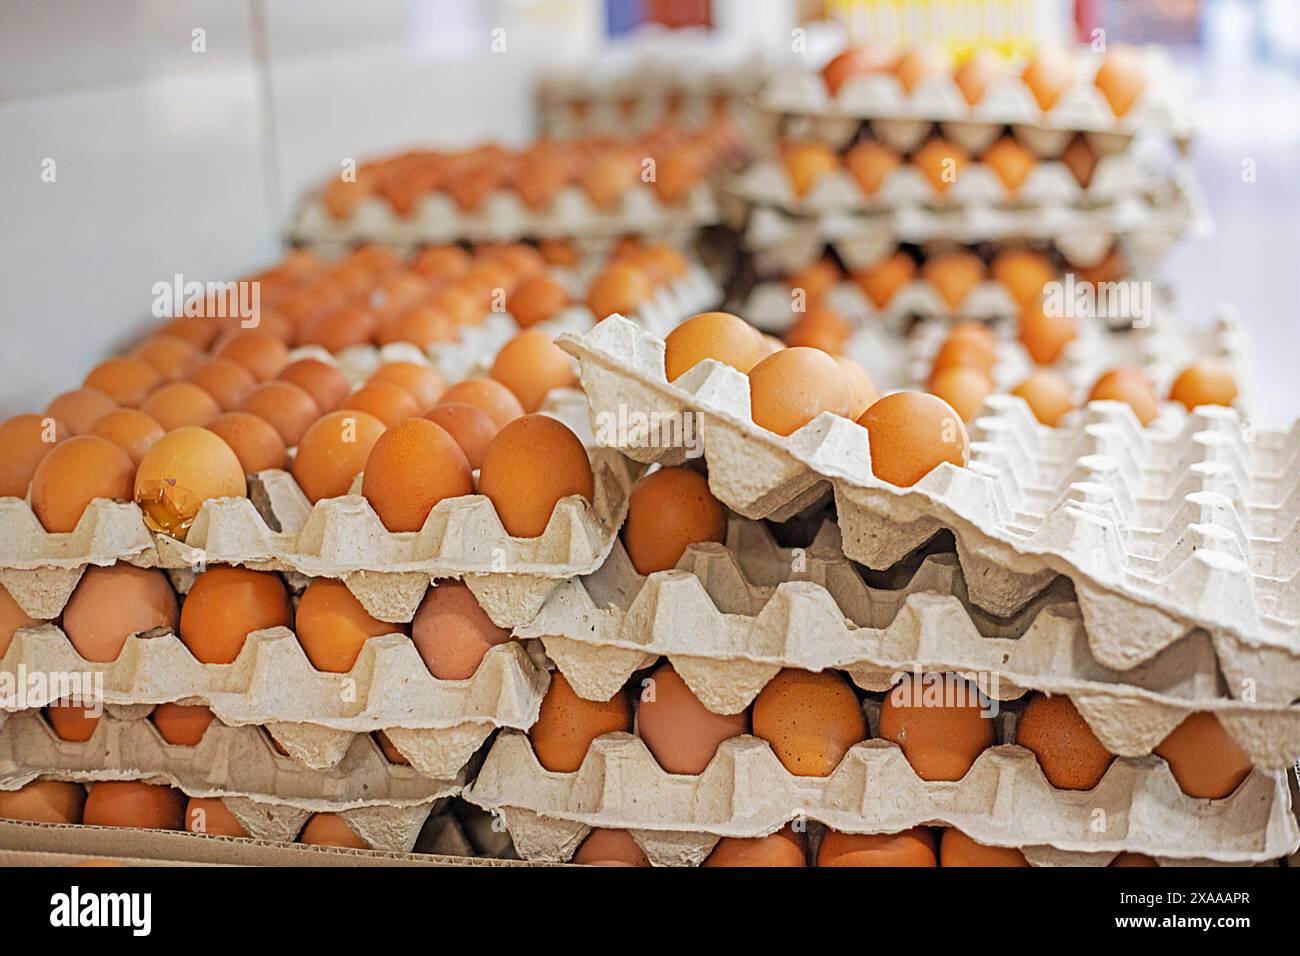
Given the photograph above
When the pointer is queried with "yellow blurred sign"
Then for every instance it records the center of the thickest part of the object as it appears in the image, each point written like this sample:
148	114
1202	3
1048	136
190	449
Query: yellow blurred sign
1010	27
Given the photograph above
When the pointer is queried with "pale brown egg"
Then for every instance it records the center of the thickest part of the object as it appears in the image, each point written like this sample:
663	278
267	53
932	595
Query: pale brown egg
609	848
472	428
530	365
622	287
1206	381
385	401
1011	162
862	391
806	163
790	388
225	380
226	603
871	163
567	724
820	327
609	175
1048	75
442	263
720	336
785	847
325	383
536	300
668	510
72	722
858	60
911	434
810	719
954	275
912	848
285	406
178	404
183	469
73	474
333	451
44	801
129	803
983	69
452	632
111	603
489	396
962	387
677	728
182	725
1047	396
532	464
79	409
210	816
171	357
1080	160
957	849
25	440
413	466
1045	336
330	829
425	325
968	344
130	429
199	331
343	328
126	381
1125	384
1121	78
421	381
1204	758
1024	272
940	724
921	62
332	626
255	442
1069	753
12	618
559	252
880	281
941	162
261	353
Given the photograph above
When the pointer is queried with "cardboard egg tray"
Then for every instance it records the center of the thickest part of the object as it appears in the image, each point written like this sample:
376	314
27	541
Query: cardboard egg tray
270	795
1187	524
277	529
731	617
1165	105
315	716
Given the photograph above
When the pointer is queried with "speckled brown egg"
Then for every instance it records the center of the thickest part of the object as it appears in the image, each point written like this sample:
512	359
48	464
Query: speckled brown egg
567	724
72	722
487	394
261	353
472	428
325	383
810	719
288	409
178	404
126	381
333	451
225	380
862	391
720	336
530	365
413	466
939	723
422	382
1069	753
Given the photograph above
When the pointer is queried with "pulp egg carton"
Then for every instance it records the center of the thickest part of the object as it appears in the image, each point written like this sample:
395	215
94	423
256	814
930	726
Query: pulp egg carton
270	795
316	716
730	617
1189	523
503	216
276	528
1003	800
1166	103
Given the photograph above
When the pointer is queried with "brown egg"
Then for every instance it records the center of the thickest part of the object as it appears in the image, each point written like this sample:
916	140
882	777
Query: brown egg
954	275
1047	396
1112	267
126	381
957	849
442	263
43	801
1121	78
806	163
333	451
719	336
1045	336
1047	75
413	466
968	344
210	816
559	252
452	632
609	848
919	63
182	470
1133	859
862	391
857	60
330	829
790	388
680	731
914	847
488	395
74	473
286	407
530	365
962	387
1204	758
332	626
879	282
129	803
129	429
182	725
79	409
227	603
12	618
782	848
911	434
521	259
1080	160
532	464
1206	381
385	401
325	383
871	163
1128	385
814	280
1011	161
112	603
1024	272
941	162
198	330
669	510
459	306
425	326
25	440
421	381
977	74
260	353
567	724
609	176
472	429
810	719
171	357
255	442
820	327
536	300
1069	753
343	328
622	287
391	753
939	723
72	722
178	404
225	380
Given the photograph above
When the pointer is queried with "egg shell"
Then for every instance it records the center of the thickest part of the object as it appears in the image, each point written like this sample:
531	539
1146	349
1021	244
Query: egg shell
425	326
129	803
472	428
533	463
1133	859
79	409
12	618
325	383
954	275
73	474
1121	79
183	469
288	409
567	724
111	603
44	801
1069	753
254	440
862	391
530	365
810	719
332	626
227	603
72	722
1045	336
330	829
178	404
782	848
261	353
350	326
195	329
821	327
1048	75
964	388
914	847
1047	396
924	61
1204	758
536	300
957	849
680	731
126	381
210	816
1127	385
171	357
1205	382
939	725
1080	159
422	382
942	163
452	632
854	61
609	848
413	466
790	388
25	440
622	287
983	69
1011	161
225	380
806	163
182	725
333	451
720	336
871	163
668	510
1024	272
911	434
486	394
130	429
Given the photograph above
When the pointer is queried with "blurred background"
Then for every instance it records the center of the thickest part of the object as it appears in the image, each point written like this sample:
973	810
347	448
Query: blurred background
143	138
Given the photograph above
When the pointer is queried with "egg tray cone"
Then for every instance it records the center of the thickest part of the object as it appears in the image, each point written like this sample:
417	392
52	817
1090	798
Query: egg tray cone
503	216
336	537
1164	105
316	716
1187	524
727	635
1004	800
